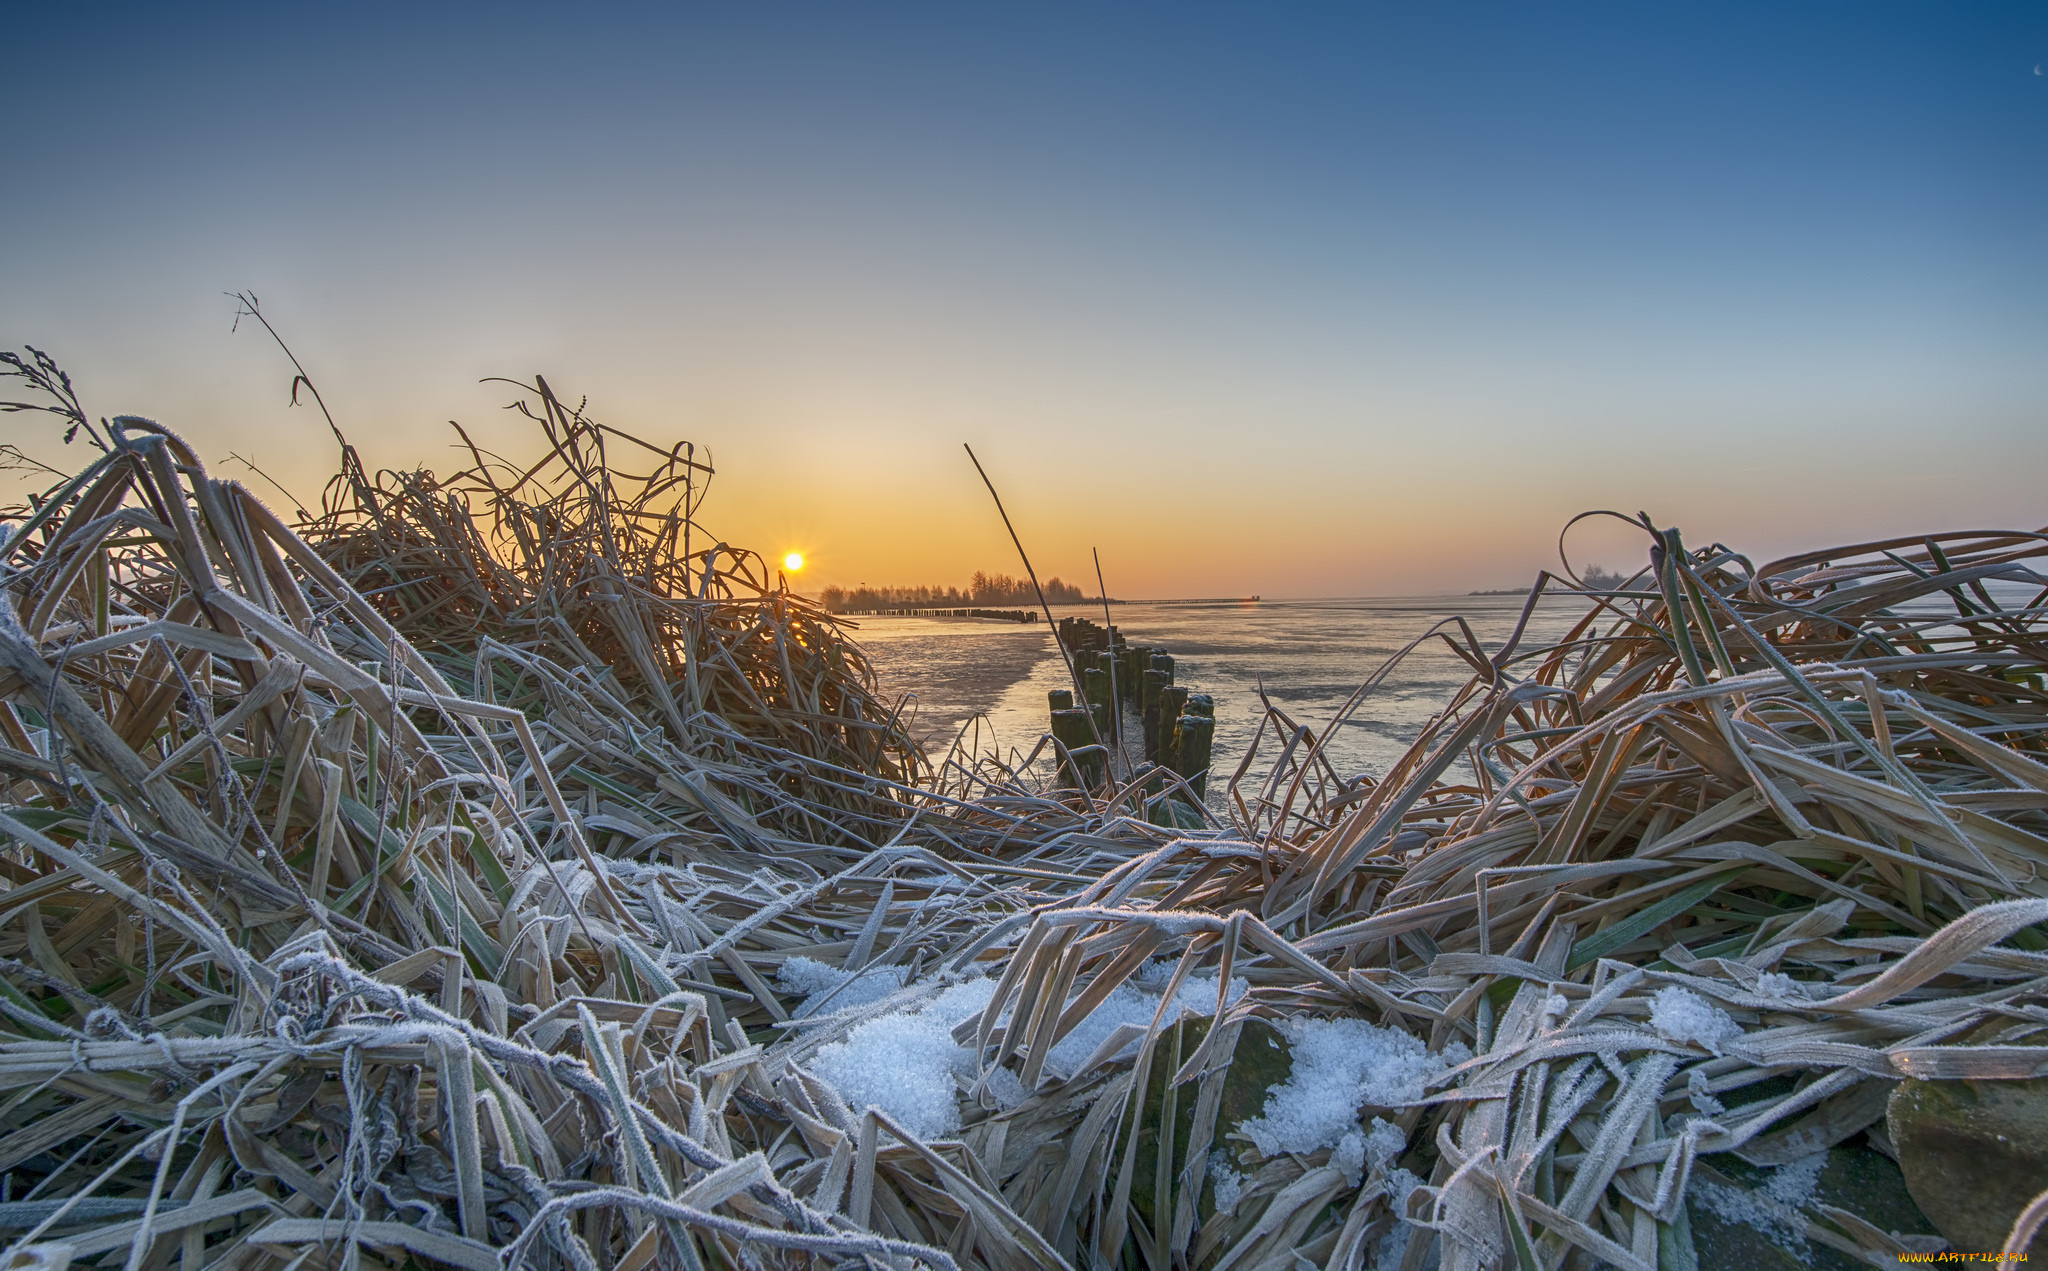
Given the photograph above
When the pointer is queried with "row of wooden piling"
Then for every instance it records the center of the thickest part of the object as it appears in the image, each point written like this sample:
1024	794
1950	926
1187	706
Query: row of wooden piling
1178	727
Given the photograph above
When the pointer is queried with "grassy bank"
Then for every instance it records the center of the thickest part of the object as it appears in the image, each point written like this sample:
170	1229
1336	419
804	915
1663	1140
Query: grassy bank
498	869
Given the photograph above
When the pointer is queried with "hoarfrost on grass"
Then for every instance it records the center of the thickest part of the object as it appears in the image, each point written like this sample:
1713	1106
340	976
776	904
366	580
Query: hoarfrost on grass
1340	1065
1681	1015
1774	1208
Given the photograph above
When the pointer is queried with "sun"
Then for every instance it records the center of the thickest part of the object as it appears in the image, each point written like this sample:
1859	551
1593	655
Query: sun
793	562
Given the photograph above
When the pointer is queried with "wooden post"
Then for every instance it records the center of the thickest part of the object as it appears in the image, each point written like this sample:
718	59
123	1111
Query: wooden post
1197	736
1070	729
1137	658
1172	700
1102	702
1148	703
1096	681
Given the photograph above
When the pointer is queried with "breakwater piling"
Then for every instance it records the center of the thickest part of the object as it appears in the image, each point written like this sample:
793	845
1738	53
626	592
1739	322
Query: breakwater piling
1172	729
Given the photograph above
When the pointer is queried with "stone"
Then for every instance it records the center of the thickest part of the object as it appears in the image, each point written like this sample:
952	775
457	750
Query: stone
1857	1178
1973	1153
1262	1060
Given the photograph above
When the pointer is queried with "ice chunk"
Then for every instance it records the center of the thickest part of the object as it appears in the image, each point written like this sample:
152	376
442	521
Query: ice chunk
1682	1015
1338	1066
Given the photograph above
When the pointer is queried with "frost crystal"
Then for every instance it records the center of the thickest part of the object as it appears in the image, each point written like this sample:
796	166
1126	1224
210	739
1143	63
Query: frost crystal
1008	1091
1682	1015
1703	1099
1777	984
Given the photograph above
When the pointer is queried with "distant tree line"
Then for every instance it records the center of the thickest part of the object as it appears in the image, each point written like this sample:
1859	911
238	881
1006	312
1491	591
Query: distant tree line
1594	577
983	589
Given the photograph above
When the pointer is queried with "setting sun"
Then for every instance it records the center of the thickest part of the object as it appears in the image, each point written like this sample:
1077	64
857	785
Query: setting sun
793	562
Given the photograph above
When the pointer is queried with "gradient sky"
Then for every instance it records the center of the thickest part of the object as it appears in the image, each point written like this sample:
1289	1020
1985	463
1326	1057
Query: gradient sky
1289	299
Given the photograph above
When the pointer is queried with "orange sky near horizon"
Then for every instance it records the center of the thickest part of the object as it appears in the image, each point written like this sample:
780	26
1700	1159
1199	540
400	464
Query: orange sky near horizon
1349	300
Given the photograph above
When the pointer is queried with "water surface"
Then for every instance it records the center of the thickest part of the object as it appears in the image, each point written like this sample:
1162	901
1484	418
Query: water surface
1306	656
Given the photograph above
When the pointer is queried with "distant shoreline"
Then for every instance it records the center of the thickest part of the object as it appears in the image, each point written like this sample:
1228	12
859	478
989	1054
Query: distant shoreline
1096	603
1013	615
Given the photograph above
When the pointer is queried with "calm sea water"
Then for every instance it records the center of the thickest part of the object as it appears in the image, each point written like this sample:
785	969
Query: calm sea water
1306	656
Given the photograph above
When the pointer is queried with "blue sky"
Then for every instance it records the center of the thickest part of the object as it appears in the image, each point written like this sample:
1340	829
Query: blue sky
1298	299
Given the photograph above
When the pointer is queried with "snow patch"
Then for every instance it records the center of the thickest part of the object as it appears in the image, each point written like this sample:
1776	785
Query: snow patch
834	988
1136	1001
1229	1183
1384	1144
905	1062
1774	1209
1394	1245
1339	1065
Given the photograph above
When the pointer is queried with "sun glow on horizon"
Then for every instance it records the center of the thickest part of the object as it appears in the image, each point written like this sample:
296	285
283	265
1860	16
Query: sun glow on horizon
793	562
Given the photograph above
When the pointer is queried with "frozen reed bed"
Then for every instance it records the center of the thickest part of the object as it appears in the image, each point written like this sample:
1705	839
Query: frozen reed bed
495	871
